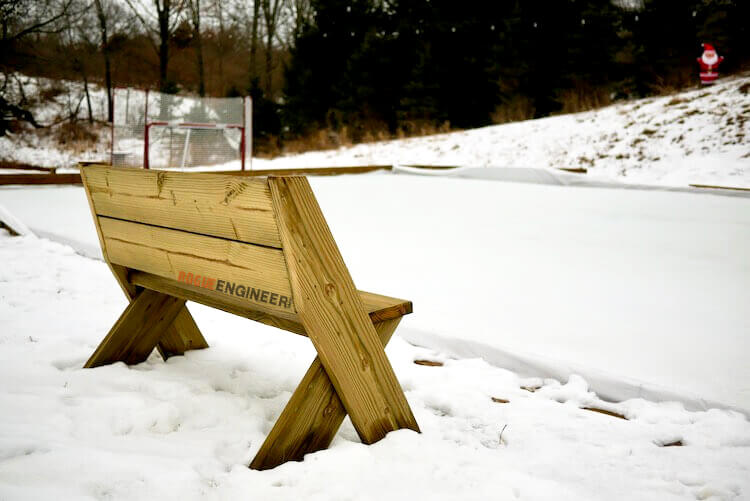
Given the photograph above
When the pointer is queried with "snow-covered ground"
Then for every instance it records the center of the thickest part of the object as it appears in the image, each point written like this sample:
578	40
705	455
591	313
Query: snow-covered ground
642	292
632	301
185	429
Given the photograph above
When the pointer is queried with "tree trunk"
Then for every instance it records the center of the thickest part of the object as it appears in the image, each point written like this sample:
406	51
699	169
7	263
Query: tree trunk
88	96
201	72
222	34
195	11
254	41
163	63
269	63
271	20
164	35
105	52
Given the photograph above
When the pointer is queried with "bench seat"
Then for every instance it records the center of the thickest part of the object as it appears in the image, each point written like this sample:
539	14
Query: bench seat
379	307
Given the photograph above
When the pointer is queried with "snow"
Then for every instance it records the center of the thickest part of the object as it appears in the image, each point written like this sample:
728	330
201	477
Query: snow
631	289
185	429
631	300
695	137
63	100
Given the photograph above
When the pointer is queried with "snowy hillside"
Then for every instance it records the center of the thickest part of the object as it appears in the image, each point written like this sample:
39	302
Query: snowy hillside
700	136
52	103
697	137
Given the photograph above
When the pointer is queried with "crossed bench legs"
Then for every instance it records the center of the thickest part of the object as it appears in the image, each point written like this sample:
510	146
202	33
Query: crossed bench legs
310	419
152	319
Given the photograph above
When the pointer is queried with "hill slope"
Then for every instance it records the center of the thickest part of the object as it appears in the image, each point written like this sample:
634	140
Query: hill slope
698	136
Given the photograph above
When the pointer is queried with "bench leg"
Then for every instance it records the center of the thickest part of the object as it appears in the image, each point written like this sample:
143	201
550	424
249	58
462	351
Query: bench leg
334	317
181	336
312	417
138	329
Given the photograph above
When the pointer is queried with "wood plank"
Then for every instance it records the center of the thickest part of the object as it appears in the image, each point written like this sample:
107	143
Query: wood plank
310	171
333	315
138	329
34	179
231	207
379	308
16	166
717	187
182	334
213	299
257	275
312	416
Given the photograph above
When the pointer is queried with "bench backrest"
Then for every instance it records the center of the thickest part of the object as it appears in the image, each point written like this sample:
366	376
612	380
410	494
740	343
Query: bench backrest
216	232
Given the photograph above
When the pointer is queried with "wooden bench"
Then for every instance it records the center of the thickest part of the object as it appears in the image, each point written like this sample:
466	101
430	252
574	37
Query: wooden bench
259	248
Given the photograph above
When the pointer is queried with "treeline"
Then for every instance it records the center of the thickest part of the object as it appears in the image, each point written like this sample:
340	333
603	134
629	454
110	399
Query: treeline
363	69
205	47
473	62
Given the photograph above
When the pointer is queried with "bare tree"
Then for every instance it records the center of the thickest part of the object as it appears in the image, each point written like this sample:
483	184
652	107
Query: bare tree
194	6
300	14
159	20
24	17
18	19
103	15
271	15
254	42
219	13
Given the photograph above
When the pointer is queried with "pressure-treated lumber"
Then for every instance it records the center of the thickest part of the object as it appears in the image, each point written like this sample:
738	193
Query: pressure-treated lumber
379	308
139	328
256	274
232	207
312	416
168	240
334	317
184	334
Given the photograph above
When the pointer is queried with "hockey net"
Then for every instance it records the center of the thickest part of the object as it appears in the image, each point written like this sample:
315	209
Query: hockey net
156	130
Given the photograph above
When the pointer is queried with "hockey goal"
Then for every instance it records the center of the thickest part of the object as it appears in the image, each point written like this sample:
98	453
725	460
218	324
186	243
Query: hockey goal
156	130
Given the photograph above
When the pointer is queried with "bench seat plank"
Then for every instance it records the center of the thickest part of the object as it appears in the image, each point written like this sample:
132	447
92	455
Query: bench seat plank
379	307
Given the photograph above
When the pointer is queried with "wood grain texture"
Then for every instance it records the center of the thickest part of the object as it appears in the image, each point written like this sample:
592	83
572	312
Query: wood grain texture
312	416
181	336
216	300
232	207
310	171
138	329
379	308
169	253
334	317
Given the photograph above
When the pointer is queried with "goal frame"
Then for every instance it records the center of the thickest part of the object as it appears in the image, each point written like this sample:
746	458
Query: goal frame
246	136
